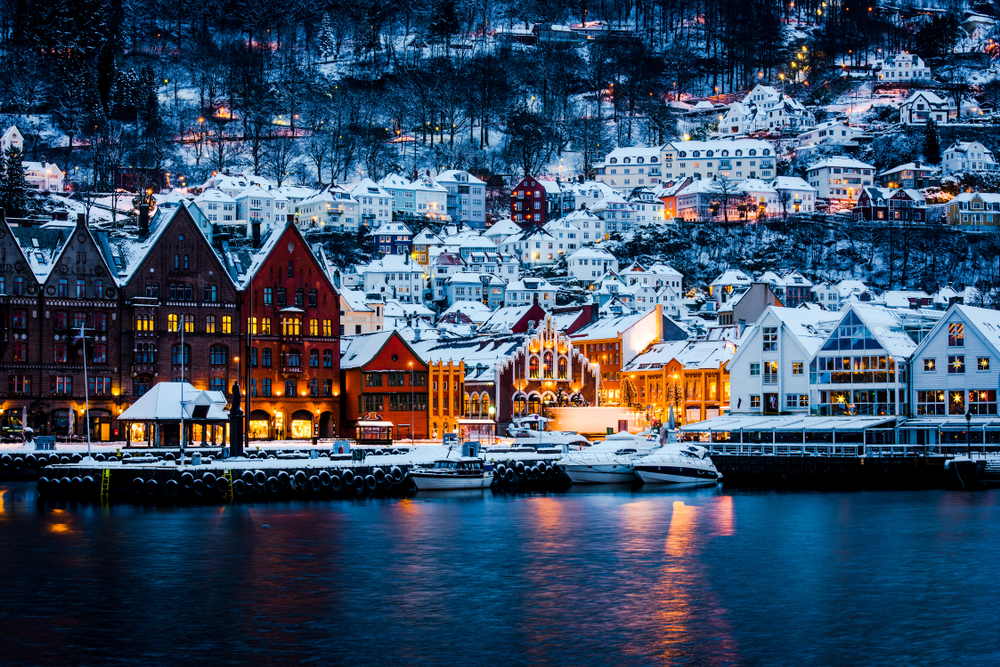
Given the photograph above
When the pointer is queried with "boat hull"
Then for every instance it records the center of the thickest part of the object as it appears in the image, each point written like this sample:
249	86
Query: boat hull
667	474
615	473
436	482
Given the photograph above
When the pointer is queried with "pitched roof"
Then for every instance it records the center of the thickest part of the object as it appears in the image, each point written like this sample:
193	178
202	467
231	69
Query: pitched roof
358	351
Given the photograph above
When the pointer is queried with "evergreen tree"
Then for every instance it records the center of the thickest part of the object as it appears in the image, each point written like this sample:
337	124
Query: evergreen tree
932	142
14	187
327	42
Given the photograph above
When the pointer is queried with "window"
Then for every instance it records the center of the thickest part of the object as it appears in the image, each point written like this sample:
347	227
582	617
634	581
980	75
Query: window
754	369
299	296
253	357
770	372
327	327
312	298
791	400
265	360
956	364
770	337
313	327
956	334
177	261
153	290
281	296
396	380
314	387
143	322
373	379
291	326
217	384
929	366
313	358
265	387
267	296
181	355
172	322
18	286
755	402
140	385
327	387
99	289
19	319
20	352
100	322
265	326
227	324
81	289
100	386
211	293
100	353
291	271
210	324
59	354
61	385
19	385
797	368
291	388
145	353
956	402
292	358
189	324
186	263
61	320
983	401
218	355
983	363
327	358
62	289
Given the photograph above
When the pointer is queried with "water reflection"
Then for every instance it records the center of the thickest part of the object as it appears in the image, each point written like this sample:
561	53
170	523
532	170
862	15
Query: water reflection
586	578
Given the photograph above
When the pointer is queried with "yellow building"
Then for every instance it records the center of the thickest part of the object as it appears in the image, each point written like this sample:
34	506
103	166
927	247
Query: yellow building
447	392
691	376
422	243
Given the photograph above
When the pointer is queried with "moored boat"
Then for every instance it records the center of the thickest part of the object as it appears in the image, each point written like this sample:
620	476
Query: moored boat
460	473
677	465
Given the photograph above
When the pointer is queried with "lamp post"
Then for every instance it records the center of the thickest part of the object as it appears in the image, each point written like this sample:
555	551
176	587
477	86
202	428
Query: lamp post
968	434
412	425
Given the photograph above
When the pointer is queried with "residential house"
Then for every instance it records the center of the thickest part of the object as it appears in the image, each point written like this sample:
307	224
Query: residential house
395	277
736	159
974	211
589	264
968	156
466	199
526	291
729	283
628	167
840	179
902	68
393	238
217	206
374	203
330	208
923	105
830	133
795	195
882	204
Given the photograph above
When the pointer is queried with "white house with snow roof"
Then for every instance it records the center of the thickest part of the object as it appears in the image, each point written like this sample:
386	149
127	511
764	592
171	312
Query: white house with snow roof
795	195
589	264
568	235
729	283
395	277
840	178
331	208
830	133
526	291
532	247
501	229
256	205
374	202
591	225
216	205
902	67
964	156
735	159
769	372
627	167
956	367
422	197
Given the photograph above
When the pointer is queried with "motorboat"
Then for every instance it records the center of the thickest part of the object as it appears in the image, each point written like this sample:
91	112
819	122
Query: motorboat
608	462
466	472
534	431
677	464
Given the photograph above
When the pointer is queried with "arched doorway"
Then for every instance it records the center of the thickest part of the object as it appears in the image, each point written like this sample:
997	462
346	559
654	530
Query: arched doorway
534	404
260	425
12	422
301	425
327	429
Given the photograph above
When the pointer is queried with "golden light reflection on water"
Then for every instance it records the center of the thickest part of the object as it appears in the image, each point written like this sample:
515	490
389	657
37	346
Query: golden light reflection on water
59	528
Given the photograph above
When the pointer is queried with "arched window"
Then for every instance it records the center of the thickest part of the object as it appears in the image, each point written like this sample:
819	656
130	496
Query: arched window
548	365
639	160
314	327
709	153
467	402
313	358
533	368
683	154
475	406
189	324
562	368
739	152
520	404
172	322
614	160
766	151
753	151
725	153
653	159
696	154
534	404
327	358
485	405
626	160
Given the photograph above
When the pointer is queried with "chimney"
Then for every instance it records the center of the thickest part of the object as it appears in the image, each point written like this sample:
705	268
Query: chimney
81	220
416	334
255	226
143	220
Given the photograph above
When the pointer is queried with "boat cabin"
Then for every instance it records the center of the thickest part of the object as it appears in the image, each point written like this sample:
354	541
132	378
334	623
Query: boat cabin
460	466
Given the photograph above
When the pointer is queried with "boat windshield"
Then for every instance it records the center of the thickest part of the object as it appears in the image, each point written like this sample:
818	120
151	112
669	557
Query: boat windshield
445	464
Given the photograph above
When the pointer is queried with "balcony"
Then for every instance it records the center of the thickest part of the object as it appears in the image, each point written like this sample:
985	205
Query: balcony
291	371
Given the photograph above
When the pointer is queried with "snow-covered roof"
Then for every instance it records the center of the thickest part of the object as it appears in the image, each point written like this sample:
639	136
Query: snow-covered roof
359	350
796	423
690	354
732	277
395	228
593	252
169	401
502	229
366	187
214	195
791	183
609	327
840	161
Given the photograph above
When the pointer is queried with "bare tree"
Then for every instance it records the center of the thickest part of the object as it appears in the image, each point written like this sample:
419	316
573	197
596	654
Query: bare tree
281	156
728	193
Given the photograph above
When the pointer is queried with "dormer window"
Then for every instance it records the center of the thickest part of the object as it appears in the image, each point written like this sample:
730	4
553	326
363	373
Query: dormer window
627	160
709	153
696	154
739	153
753	151
614	160
725	153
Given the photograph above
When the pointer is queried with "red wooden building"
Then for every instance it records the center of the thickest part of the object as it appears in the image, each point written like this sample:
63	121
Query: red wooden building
292	313
528	203
385	381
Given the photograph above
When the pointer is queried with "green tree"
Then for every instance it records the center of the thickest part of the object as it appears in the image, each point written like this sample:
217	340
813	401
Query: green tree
932	142
13	186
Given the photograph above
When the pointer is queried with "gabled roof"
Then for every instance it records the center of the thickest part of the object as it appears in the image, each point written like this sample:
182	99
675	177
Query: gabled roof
43	246
360	350
172	401
985	322
610	327
502	229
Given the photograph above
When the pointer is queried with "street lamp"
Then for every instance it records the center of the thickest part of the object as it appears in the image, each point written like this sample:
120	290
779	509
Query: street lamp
968	433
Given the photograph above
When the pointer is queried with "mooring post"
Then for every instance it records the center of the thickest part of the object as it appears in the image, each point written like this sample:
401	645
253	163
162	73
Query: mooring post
236	423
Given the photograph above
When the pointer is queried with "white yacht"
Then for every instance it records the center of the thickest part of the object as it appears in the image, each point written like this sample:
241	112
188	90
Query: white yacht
533	431
466	472
608	462
677	464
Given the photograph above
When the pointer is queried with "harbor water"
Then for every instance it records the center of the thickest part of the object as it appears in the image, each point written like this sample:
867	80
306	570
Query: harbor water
586	577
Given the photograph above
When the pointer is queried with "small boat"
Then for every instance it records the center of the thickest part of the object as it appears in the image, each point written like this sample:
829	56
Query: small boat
533	431
685	465
466	472
608	462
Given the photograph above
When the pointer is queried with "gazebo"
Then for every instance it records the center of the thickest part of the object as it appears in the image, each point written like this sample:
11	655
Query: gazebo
161	410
